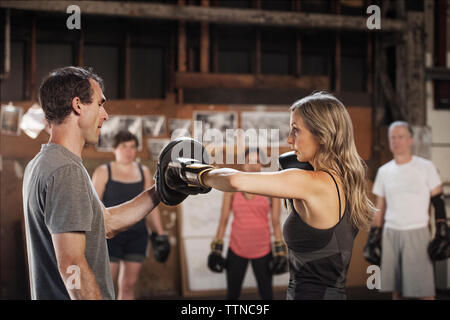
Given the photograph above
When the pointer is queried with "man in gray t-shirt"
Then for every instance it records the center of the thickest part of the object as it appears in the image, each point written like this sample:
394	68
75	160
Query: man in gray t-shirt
66	224
60	198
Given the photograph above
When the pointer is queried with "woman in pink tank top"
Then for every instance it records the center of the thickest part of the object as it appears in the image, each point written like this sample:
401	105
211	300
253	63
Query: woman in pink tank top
250	234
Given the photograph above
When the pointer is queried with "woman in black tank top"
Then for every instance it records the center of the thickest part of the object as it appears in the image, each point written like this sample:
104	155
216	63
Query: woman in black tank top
328	205
118	182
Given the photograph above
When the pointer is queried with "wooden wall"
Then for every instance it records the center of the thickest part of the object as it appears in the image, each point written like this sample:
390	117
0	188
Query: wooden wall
156	279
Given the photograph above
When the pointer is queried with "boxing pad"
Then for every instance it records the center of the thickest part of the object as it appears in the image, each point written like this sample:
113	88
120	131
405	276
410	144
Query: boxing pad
182	147
288	160
161	247
439	248
372	250
279	262
216	263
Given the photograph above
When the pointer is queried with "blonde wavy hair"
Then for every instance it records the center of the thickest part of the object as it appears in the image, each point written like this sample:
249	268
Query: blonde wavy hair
328	120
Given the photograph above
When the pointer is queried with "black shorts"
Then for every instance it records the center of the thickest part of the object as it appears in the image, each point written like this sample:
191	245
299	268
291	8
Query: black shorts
130	245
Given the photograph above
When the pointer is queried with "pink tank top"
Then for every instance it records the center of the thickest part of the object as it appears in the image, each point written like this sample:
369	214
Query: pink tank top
250	232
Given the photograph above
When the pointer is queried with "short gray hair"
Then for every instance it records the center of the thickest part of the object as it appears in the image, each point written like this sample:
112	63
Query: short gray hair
401	124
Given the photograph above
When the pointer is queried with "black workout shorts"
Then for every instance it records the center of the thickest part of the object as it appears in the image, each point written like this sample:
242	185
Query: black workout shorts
130	245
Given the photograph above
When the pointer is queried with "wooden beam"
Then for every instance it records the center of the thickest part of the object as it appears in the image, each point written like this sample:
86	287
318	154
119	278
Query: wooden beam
32	58
126	66
212	15
182	52
197	80
204	42
80	49
337	64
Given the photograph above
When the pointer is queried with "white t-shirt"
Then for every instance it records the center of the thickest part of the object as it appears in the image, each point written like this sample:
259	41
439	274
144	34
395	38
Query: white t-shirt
406	188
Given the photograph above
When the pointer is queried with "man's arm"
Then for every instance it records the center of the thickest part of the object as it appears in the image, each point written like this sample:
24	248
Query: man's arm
125	215
153	221
75	271
380	205
437	200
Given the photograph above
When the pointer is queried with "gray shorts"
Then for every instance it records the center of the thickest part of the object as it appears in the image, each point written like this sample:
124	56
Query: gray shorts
405	265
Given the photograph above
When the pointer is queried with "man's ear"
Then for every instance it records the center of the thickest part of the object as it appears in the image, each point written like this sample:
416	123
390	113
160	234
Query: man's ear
76	105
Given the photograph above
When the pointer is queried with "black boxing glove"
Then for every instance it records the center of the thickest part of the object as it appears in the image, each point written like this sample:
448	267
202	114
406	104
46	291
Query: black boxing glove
183	147
372	250
288	160
185	175
161	247
279	262
439	249
216	263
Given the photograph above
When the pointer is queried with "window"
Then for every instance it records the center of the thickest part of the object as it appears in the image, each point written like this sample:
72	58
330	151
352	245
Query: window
353	62
235	47
50	56
277	52
146	73
105	62
12	89
316	50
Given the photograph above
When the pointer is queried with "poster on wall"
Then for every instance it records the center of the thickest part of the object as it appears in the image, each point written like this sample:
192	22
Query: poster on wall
154	125
33	121
10	118
155	146
212	127
272	127
179	128
115	124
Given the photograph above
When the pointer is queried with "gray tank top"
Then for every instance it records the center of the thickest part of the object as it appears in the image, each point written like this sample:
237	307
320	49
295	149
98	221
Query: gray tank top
318	258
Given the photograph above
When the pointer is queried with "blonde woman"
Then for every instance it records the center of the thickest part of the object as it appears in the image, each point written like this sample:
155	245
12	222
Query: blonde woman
329	204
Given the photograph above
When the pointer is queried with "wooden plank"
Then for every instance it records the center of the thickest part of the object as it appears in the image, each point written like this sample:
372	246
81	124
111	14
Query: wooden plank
196	80
80	49
211	15
369	79
126	66
31	74
337	64
204	42
415	69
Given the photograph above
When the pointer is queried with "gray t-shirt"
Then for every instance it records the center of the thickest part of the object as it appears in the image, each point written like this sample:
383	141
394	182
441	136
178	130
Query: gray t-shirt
59	197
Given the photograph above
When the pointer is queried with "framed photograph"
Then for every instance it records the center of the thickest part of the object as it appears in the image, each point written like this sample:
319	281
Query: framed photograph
271	126
179	128
154	125
10	119
155	146
206	121
115	124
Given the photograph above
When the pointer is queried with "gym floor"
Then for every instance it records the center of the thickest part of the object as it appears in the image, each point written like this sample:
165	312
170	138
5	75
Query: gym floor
354	293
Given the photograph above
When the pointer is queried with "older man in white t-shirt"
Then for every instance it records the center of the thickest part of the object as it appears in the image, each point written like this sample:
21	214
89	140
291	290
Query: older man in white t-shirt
403	188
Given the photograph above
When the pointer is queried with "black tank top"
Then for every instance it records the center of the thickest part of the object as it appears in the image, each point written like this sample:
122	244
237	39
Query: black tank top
318	258
119	192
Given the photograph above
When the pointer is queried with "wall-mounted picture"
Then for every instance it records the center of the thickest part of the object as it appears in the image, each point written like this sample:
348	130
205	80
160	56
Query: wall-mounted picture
268	120
10	119
154	125
155	146
115	124
207	120
33	121
179	128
